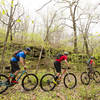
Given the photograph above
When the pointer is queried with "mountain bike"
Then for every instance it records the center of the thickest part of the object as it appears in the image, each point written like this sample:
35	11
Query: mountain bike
29	81
48	83
90	75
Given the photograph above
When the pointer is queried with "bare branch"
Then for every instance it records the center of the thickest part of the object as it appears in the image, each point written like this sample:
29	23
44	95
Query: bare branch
60	1
65	19
6	11
17	19
75	7
78	17
44	5
66	25
15	8
52	19
3	22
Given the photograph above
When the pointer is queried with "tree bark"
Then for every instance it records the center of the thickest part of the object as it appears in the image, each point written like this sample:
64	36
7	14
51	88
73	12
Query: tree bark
74	28
37	67
86	44
7	34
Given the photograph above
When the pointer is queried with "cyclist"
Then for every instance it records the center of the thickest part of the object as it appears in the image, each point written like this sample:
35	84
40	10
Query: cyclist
57	63
90	63
19	56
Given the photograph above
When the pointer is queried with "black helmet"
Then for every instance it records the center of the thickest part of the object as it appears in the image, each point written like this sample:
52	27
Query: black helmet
66	53
28	49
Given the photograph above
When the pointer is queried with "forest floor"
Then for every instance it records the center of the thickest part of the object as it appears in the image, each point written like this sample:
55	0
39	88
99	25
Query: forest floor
80	92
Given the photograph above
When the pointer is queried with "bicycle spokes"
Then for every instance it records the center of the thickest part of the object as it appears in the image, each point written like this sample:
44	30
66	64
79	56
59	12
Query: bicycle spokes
30	82
85	78
70	80
4	82
47	82
96	76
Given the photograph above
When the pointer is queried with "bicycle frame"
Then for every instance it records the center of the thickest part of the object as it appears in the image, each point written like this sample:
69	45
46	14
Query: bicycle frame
62	73
65	70
22	72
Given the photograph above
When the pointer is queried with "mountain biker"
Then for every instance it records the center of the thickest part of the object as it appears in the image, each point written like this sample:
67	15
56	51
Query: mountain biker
90	63
57	63
18	57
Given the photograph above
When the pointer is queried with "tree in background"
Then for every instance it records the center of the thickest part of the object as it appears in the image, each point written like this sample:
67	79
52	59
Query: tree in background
12	18
87	19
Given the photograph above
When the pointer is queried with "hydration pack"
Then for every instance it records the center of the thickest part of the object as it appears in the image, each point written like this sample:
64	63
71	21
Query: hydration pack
88	62
58	56
14	55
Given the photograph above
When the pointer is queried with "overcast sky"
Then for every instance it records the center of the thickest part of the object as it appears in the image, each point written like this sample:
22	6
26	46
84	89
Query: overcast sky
35	4
32	5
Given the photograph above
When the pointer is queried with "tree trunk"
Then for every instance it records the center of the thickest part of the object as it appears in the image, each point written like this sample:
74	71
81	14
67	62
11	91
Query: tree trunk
7	34
74	29
5	42
75	38
37	67
11	37
86	44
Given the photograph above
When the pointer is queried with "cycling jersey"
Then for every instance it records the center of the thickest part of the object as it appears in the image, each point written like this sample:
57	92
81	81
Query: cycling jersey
64	57
20	54
91	61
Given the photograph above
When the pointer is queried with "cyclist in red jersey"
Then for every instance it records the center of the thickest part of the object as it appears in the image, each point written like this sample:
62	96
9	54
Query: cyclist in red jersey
91	62
57	63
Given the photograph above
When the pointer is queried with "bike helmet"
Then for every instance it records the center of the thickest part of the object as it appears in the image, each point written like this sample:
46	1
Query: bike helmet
66	53
28	49
91	57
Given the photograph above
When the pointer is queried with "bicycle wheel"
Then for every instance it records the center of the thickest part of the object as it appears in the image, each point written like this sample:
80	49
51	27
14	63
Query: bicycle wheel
47	82
85	79
70	80
3	83
29	82
96	76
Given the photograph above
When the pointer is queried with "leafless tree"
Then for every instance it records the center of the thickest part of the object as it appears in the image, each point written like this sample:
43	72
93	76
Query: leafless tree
11	21
72	6
48	26
86	21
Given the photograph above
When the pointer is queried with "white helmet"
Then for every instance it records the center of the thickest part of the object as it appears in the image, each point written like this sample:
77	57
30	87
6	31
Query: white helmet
66	53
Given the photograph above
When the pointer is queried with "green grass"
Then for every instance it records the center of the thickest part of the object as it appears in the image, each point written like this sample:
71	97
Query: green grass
80	92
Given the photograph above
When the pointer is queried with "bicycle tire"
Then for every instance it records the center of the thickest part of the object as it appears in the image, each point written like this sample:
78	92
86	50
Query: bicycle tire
94	74
75	80
30	81
7	80
82	78
42	84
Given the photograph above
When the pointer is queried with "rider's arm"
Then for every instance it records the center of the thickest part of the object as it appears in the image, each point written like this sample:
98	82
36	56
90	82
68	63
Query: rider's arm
66	63
94	63
22	61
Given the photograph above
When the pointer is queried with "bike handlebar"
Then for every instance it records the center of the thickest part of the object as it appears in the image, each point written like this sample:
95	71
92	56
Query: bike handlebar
65	68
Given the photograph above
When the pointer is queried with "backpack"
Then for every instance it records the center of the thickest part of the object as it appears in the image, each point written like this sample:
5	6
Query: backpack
14	55
88	62
58	56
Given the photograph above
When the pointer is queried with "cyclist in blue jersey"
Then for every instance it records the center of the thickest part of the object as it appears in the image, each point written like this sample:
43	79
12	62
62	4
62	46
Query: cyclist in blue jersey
18	57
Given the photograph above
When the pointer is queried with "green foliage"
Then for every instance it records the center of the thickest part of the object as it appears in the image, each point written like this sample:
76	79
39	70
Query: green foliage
2	35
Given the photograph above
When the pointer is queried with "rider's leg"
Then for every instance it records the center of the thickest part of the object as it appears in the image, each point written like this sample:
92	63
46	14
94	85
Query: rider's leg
15	74
14	70
58	69
57	76
90	71
90	68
